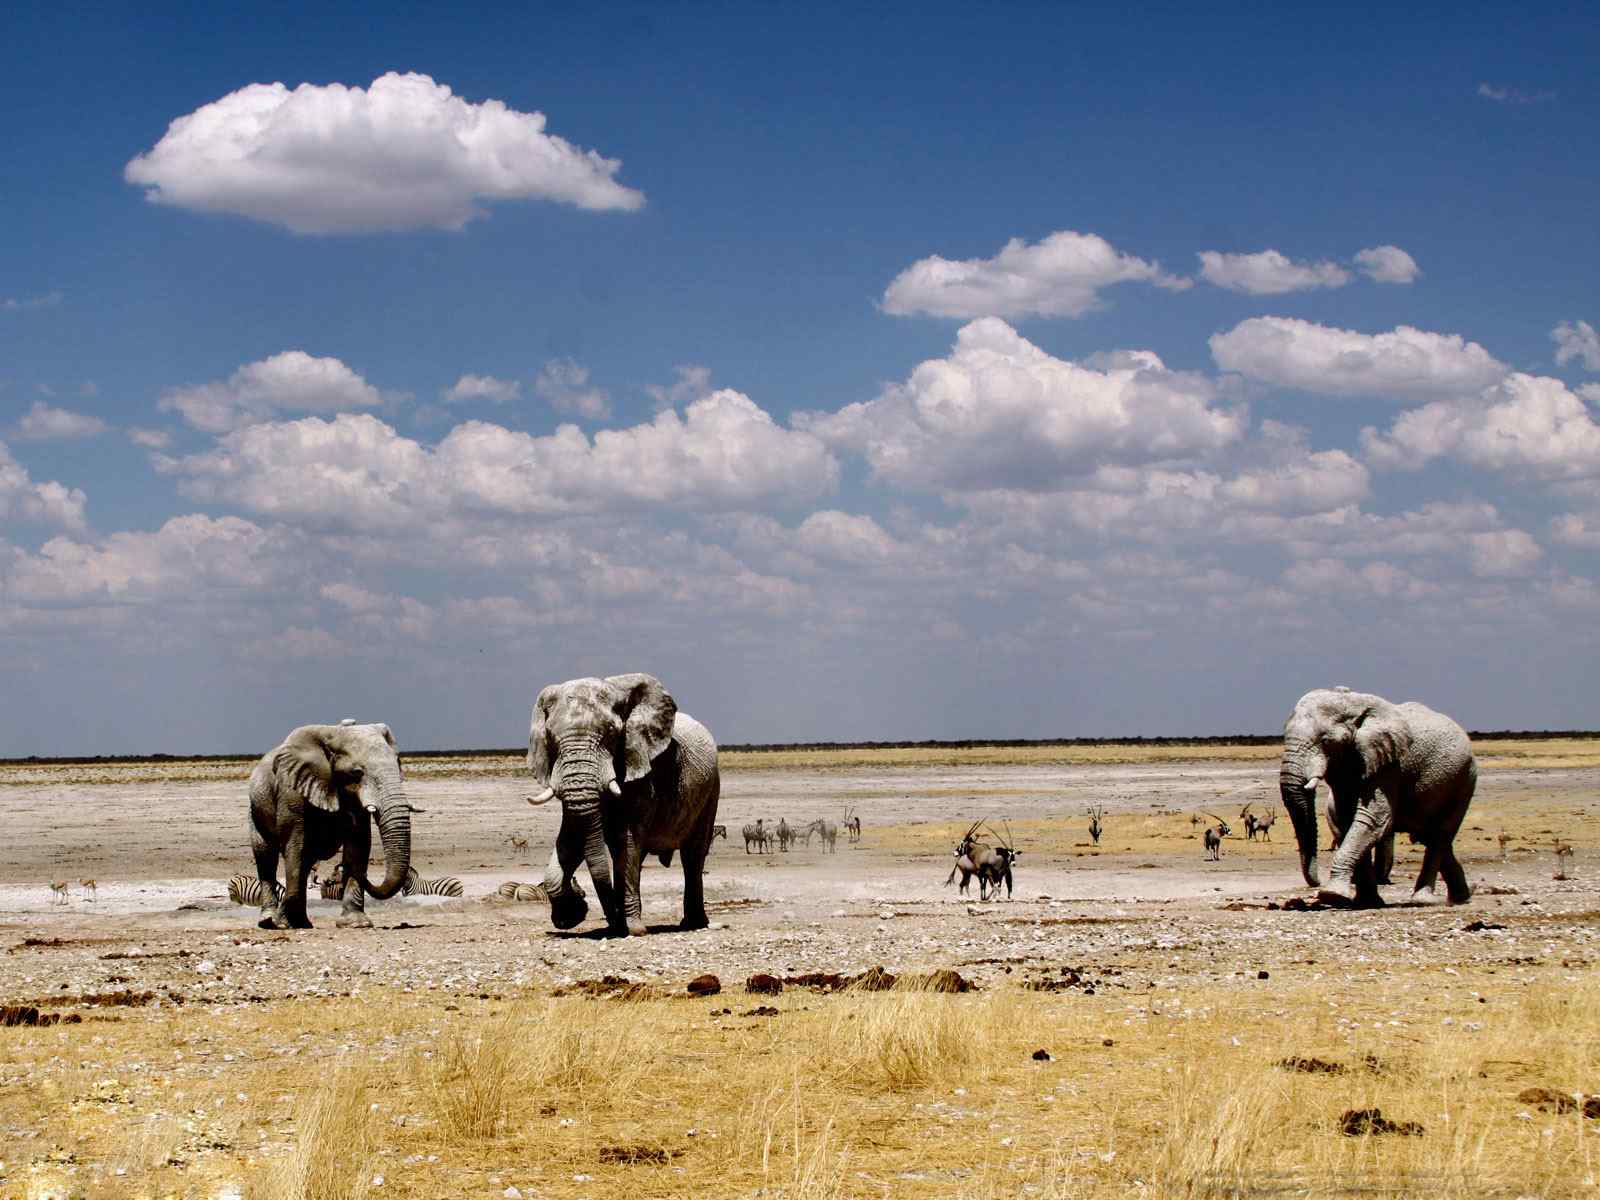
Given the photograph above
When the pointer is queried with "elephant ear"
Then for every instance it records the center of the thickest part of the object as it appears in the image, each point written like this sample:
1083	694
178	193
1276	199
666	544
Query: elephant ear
538	737
302	765
647	710
1382	738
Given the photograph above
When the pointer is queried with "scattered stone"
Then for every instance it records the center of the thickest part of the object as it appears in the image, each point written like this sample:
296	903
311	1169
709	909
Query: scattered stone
1262	975
1107	1042
1311	1066
762	1010
763	985
634	1154
1358	1121
704	985
1042	1056
1549	1100
1500	889
1479	926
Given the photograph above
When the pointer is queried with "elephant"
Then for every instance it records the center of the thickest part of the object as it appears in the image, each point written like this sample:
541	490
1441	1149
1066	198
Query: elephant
314	795
1390	768
635	776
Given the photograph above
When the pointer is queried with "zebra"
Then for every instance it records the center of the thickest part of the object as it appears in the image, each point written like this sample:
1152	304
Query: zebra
252	892
719	831
415	885
529	891
786	835
828	831
508	890
756	833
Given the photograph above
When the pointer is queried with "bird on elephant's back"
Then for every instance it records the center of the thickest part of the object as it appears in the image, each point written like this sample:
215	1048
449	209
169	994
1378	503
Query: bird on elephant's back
1389	768
635	776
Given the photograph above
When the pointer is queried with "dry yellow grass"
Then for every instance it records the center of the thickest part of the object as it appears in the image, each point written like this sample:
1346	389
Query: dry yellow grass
1159	1091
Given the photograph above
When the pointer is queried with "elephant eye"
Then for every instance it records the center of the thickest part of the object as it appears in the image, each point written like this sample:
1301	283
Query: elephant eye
354	774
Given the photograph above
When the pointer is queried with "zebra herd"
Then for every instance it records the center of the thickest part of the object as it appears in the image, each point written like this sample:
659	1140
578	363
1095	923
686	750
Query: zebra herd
783	836
252	892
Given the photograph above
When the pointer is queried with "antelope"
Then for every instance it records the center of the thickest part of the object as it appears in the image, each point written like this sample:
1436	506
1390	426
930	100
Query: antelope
1254	824
1503	839
88	885
852	824
996	866
59	895
517	843
1563	852
1095	814
1214	836
990	864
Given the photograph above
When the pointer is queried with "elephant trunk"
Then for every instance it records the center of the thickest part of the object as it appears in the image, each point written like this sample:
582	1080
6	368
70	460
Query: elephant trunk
578	777
385	797
1297	785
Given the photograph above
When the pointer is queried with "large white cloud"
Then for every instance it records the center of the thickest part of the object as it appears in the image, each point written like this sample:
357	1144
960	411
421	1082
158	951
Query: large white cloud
1577	340
1060	276
293	381
1268	273
724	451
1404	362
1001	412
1526	425
45	422
404	153
49	503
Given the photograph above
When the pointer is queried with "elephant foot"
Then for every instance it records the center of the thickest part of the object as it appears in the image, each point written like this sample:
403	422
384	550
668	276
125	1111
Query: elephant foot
273	922
636	927
355	920
697	921
1337	893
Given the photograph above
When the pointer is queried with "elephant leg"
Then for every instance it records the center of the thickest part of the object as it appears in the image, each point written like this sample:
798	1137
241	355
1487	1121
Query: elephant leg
1352	879
266	855
1426	876
625	861
1457	890
694	892
357	848
1384	859
296	870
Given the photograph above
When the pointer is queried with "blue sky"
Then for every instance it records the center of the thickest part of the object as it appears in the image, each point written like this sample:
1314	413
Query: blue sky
934	371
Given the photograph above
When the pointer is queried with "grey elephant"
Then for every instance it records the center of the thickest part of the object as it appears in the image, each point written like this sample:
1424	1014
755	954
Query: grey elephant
1389	768
635	776
315	795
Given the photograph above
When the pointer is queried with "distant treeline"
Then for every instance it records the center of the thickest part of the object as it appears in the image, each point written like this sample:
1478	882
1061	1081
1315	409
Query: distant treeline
1235	739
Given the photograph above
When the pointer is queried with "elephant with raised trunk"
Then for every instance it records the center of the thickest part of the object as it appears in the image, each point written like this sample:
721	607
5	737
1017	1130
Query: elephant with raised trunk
1389	768
315	795
635	776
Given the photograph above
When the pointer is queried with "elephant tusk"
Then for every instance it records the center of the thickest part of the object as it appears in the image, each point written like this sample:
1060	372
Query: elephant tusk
615	789
373	809
543	797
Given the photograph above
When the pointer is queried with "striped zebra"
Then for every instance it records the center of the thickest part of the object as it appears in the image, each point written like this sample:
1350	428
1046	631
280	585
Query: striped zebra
415	885
251	892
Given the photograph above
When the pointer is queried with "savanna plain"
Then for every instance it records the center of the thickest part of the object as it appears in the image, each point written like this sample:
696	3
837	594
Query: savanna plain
1134	1020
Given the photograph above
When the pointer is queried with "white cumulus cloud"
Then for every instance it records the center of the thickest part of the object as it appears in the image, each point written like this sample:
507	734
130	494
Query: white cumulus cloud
48	503
403	153
44	422
1320	358
1268	273
564	385
1387	264
481	387
293	381
1527	425
1577	340
723	452
1001	412
1061	275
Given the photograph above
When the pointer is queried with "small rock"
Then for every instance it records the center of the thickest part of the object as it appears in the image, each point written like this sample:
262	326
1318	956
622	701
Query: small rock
705	985
763	985
1262	975
512	1193
1042	1056
1357	1121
